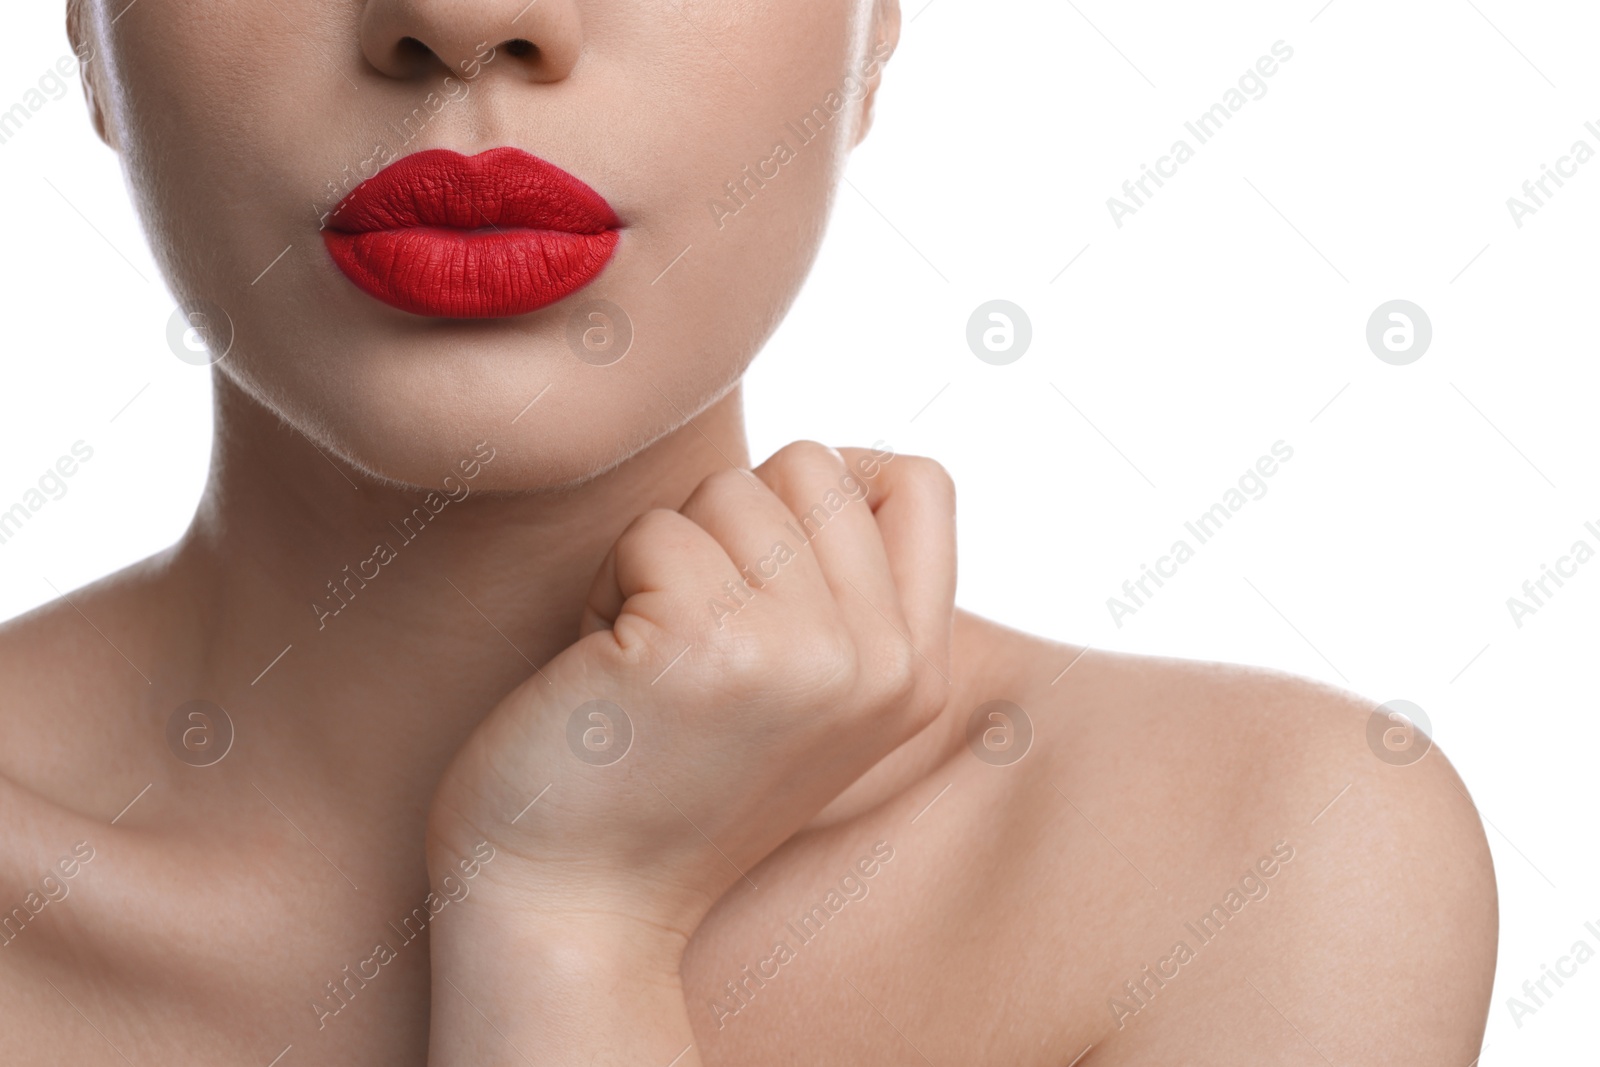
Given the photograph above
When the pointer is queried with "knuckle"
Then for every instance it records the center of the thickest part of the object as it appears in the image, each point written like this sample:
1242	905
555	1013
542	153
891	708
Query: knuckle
718	493
811	661
654	527
806	460
907	686
822	659
926	701
805	450
886	676
735	660
725	482
898	673
929	476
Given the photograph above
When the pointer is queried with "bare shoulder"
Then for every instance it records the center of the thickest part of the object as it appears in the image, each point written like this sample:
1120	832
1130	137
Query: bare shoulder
1294	874
81	678
57	771
85	694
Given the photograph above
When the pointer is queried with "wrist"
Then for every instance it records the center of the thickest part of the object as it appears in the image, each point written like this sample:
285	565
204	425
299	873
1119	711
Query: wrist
544	902
531	944
558	989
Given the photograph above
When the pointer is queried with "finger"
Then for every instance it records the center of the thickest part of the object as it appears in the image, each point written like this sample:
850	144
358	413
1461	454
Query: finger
762	537
913	501
831	513
660	568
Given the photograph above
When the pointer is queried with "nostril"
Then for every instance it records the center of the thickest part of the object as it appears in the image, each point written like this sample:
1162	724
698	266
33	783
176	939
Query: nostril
413	50
519	47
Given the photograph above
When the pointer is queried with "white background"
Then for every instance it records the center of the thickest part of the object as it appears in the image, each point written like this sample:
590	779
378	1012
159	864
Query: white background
1227	314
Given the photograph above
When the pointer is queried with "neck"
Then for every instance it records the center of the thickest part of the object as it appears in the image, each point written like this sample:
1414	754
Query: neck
357	632
406	614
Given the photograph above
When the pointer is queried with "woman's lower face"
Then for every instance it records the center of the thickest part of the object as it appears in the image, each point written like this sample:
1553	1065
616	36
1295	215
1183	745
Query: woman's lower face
674	167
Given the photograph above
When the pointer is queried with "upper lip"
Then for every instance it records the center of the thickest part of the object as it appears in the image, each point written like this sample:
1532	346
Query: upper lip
500	188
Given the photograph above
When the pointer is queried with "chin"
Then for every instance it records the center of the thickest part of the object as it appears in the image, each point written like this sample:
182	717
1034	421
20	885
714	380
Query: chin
413	413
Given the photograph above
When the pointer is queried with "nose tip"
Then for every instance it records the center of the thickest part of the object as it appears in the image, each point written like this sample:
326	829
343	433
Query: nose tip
407	39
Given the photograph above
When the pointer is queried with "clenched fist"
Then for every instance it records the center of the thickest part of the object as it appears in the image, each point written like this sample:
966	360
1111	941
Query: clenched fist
741	662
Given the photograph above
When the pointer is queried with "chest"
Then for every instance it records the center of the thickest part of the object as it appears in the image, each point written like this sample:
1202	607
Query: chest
895	941
917	934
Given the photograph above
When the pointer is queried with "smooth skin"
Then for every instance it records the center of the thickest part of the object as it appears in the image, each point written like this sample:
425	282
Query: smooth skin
807	756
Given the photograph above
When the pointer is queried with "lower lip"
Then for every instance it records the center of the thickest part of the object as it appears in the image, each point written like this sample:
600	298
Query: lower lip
479	274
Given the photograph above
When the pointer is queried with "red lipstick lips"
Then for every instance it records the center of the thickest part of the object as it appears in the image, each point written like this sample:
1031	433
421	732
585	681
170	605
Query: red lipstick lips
470	237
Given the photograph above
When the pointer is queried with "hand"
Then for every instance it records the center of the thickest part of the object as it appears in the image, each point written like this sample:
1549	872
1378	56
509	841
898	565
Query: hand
766	645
